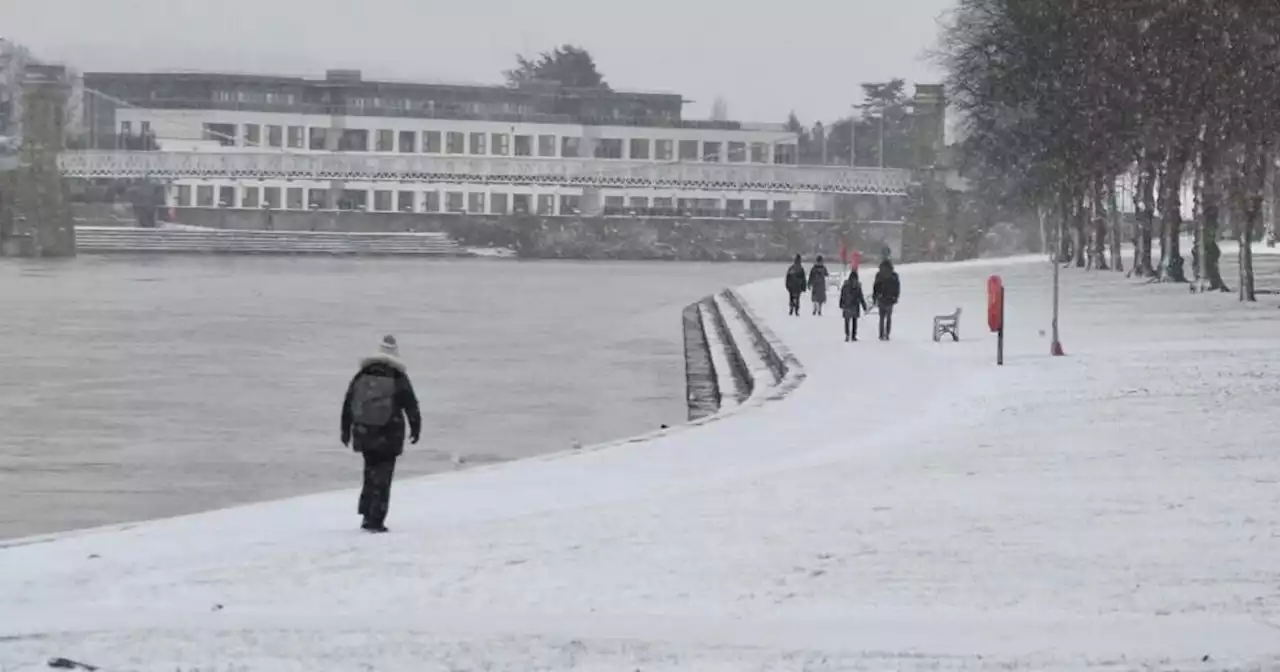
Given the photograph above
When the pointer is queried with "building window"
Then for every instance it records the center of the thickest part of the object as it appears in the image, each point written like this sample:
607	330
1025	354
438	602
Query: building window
126	128
222	96
404	199
252	135
317	199
711	152
546	204
477	143
319	138
293	198
614	205
354	199
498	203
546	145
569	147
382	200
520	204
386	141
759	152
223	134
640	149
182	196
640	202
784	154
431	143
570	205
455	201
204	196
500	144
145	128
249	197
737	152
431	201
353	140
295	137
688	150
664	150
524	145
271	197
408	142
455	143
609	148
759	209
475	203
664	204
275	136
781	208
733	207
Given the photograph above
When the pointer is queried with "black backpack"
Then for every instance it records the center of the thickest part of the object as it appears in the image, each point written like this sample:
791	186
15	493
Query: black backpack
373	402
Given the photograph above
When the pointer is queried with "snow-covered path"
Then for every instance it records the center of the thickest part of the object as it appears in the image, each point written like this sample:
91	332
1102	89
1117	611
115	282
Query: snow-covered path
910	506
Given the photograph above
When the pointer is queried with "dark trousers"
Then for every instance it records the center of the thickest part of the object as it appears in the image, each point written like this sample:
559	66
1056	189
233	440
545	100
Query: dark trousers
850	327
886	321
375	496
795	304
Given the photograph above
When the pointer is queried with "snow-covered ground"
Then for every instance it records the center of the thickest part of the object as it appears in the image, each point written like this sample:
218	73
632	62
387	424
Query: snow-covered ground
909	506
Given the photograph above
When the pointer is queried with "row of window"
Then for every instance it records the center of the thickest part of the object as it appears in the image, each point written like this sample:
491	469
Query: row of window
320	138
376	103
474	202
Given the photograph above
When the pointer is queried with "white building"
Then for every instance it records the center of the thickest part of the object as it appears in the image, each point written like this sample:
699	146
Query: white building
475	149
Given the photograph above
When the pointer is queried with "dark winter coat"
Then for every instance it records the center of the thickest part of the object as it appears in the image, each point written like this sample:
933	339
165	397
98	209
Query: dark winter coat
389	438
818	283
852	301
795	279
887	288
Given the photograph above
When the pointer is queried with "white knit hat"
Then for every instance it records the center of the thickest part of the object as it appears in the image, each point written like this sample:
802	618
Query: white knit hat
389	346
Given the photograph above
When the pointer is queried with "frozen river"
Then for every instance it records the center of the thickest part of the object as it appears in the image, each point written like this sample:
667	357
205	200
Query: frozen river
143	387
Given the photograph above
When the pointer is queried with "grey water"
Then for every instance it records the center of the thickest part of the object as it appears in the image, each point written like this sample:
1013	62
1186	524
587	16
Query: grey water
152	386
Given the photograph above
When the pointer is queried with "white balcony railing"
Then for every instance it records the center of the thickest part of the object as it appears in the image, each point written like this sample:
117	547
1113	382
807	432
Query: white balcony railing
482	169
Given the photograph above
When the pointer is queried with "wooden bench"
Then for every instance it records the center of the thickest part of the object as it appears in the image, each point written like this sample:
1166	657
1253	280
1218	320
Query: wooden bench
948	325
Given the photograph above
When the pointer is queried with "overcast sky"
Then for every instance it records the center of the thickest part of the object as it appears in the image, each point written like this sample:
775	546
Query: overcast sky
764	58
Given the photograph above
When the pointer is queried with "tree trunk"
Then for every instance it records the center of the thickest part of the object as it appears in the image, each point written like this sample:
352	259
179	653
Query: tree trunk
1099	229
1079	220
1210	210
1063	236
1171	216
1254	180
1113	216
1146	216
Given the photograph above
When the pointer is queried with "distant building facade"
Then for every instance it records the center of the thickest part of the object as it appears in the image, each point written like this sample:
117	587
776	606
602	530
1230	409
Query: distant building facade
544	126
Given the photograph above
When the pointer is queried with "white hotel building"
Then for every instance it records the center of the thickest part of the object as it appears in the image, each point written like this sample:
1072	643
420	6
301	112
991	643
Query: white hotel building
432	148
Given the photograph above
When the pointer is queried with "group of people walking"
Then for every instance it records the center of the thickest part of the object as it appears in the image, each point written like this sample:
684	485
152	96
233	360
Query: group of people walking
885	291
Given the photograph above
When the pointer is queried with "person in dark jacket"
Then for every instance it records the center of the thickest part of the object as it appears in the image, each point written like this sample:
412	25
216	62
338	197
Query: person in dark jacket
885	293
795	285
378	400
852	303
818	284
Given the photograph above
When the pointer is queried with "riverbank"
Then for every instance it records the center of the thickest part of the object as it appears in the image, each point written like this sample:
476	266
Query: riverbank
909	506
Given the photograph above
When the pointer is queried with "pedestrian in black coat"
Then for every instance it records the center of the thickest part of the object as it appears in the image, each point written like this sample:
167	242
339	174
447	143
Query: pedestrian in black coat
378	400
885	293
795	285
818	284
852	304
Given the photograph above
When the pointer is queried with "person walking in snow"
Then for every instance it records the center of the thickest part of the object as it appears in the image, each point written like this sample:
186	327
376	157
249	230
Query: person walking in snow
852	304
818	284
795	285
885	292
378	400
